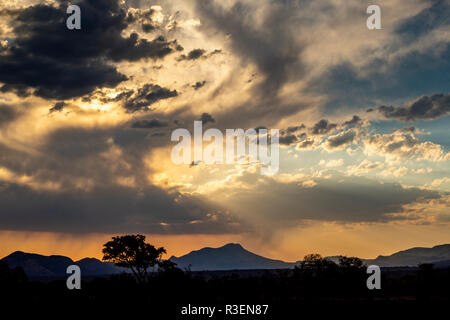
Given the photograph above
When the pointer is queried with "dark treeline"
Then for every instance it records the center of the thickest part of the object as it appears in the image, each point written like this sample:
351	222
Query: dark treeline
287	292
317	285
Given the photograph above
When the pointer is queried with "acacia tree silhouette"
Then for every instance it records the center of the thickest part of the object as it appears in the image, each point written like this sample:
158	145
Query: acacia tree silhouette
132	252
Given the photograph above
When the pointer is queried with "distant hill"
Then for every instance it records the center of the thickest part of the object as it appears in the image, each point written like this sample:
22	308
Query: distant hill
229	257
234	256
36	265
95	267
414	256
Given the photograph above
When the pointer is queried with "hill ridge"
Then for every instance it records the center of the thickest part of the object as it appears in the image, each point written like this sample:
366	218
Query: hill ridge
231	256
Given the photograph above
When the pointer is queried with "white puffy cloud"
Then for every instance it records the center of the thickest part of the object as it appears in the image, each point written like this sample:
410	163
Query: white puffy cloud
364	167
401	145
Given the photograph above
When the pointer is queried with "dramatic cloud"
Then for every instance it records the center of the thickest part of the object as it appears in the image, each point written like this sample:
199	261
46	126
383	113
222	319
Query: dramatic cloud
111	210
105	166
306	144
72	158
143	98
293	135
353	122
268	41
288	140
295	128
59	106
351	85
206	117
323	127
96	180
429	19
343	199
340	140
403	144
424	108
146	18
192	55
199	84
57	63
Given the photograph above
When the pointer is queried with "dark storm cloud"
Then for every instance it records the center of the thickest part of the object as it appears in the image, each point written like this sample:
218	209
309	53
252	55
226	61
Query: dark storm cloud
147	27
55	80
149	124
20	90
305	144
340	139
292	135
407	75
198	54
271	45
266	40
71	157
192	55
424	108
206	117
58	63
146	96
199	84
295	128
85	165
288	140
97	154
343	199
138	100
110	210
145	19
429	19
323	127
353	122
59	106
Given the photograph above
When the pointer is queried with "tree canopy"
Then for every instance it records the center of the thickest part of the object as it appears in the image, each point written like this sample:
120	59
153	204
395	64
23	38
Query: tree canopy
132	252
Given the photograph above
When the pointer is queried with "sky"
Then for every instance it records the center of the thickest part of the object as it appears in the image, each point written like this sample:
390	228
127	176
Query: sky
86	118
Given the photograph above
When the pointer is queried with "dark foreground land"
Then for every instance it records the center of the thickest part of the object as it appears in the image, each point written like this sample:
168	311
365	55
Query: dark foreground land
289	294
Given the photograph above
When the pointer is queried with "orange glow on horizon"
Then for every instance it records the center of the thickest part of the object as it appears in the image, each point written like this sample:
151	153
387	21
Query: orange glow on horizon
364	241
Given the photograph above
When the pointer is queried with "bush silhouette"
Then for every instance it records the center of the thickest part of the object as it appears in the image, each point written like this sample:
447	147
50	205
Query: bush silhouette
132	252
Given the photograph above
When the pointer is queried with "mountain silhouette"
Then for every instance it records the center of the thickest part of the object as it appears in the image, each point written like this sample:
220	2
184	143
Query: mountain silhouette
36	265
229	257
95	267
414	257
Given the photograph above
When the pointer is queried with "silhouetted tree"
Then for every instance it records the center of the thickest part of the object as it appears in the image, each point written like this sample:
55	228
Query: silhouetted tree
352	277
426	279
350	262
11	277
167	265
315	262
132	252
314	266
